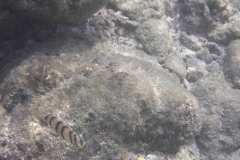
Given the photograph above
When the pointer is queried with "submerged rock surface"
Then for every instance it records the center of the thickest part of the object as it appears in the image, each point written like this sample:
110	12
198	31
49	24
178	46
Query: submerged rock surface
140	10
220	106
57	11
142	80
122	98
232	63
155	38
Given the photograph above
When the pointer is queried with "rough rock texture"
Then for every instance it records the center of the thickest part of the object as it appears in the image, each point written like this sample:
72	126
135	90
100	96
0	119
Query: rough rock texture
232	63
18	31
122	99
219	104
204	55
190	41
195	69
235	4
204	15
140	10
101	79
214	48
218	19
57	11
177	65
10	23
226	33
155	38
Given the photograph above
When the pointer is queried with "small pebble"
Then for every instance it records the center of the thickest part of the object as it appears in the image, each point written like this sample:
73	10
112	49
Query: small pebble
4	143
151	157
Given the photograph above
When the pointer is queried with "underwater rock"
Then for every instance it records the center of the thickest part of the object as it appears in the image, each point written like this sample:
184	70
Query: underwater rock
177	65
196	68
235	155
57	11
220	108
189	41
228	32
117	96
127	101
155	38
202	16
236	4
214	48
204	55
152	157
15	98
9	24
193	75
140	10
232	63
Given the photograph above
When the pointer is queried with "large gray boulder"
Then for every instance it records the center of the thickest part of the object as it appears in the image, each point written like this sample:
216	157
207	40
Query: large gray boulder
57	11
219	105
123	99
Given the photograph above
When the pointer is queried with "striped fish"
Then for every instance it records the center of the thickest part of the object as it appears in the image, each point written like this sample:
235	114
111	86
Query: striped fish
64	131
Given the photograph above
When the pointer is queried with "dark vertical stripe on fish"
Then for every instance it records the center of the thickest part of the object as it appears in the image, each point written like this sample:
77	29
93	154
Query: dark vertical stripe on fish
75	139
71	137
62	130
81	140
47	117
58	123
50	121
